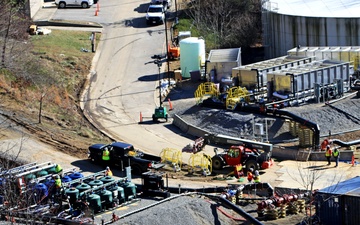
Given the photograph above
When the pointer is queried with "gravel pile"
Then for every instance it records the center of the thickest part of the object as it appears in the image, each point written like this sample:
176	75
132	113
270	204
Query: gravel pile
182	210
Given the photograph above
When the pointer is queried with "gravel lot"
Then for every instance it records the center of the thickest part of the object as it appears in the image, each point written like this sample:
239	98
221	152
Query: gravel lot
343	116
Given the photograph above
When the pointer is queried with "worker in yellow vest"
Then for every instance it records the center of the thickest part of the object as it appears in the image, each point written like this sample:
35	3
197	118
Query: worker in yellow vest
328	154
106	155
336	155
256	176
108	172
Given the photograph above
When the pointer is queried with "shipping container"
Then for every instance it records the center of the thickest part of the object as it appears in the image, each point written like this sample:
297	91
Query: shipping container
251	75
304	77
339	203
223	60
349	54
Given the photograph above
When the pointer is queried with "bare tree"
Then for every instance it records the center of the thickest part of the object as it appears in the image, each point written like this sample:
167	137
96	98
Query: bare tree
229	23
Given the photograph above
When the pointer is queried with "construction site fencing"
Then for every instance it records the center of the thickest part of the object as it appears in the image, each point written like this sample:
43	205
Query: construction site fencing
206	89
172	157
200	162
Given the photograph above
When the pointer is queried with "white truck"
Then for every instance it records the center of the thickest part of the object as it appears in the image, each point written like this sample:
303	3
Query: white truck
74	3
155	14
166	3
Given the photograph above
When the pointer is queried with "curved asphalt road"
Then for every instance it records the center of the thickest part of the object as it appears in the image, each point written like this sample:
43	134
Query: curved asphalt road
122	82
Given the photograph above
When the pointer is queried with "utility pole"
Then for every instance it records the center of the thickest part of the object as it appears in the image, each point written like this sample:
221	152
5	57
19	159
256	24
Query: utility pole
167	51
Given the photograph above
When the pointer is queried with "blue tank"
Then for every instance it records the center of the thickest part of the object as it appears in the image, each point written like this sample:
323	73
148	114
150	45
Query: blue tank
49	183
41	191
66	179
76	175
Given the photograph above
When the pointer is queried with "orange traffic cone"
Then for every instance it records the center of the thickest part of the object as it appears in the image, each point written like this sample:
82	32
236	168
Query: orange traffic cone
141	118
353	160
170	104
96	12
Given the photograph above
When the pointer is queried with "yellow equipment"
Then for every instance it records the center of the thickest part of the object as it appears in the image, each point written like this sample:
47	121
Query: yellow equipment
206	89
235	95
173	157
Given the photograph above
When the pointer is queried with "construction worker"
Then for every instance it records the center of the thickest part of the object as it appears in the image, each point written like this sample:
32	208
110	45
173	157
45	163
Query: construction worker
108	172
250	175
328	154
58	170
57	183
106	154
336	155
256	176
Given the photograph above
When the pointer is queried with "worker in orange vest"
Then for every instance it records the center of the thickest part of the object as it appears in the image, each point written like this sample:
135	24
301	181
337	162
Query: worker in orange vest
328	154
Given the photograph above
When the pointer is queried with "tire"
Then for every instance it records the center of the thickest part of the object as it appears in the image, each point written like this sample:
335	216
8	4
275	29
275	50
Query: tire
84	5
136	170
62	5
252	164
217	163
154	118
166	118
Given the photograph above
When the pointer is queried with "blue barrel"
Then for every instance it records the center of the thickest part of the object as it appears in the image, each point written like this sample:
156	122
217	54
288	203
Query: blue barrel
107	179
49	183
41	191
95	183
66	179
76	175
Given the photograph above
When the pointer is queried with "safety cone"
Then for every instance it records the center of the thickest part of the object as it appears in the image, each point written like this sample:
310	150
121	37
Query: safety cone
170	104
96	12
353	160
141	118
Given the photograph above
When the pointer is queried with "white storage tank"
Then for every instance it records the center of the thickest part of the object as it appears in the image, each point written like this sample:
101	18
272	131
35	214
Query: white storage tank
192	55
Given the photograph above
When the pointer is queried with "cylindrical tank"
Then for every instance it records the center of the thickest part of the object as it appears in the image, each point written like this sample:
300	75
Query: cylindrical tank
107	179
66	179
106	198
73	194
95	183
192	55
76	175
82	188
41	191
94	202
130	190
29	177
51	170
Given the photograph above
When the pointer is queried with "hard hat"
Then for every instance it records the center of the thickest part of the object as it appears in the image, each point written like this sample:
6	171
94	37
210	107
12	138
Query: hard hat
107	168
251	169
328	146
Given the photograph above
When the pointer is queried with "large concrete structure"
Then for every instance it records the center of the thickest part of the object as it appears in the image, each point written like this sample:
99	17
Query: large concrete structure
290	23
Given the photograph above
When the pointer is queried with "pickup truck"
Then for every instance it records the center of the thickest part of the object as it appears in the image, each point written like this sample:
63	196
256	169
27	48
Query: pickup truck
121	154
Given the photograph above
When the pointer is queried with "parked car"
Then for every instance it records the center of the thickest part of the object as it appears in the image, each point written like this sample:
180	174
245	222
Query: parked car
155	14
74	3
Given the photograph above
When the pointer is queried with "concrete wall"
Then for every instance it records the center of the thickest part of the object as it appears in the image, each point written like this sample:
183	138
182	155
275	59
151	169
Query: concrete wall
35	6
286	32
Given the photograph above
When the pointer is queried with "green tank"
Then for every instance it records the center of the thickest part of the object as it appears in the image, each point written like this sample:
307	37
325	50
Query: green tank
42	173
95	183
29	177
107	179
118	194
73	194
82	188
130	190
51	170
106	198
94	202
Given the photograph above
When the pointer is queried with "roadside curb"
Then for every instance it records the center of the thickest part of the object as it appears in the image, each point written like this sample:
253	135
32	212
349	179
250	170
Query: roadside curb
65	23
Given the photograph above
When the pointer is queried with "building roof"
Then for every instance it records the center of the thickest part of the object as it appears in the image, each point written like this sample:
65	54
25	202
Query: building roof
316	8
347	187
225	55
